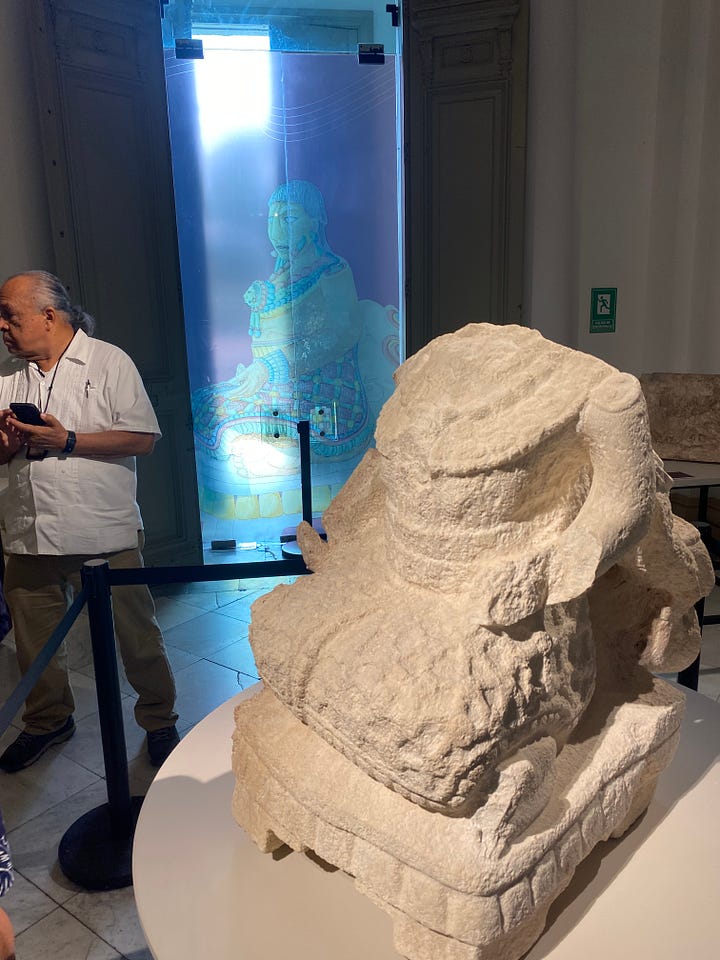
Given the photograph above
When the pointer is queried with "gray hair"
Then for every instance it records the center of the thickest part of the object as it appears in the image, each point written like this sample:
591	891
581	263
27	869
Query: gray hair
53	291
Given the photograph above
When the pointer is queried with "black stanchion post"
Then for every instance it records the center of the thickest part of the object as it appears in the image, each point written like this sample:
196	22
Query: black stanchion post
107	681
303	428
690	676
96	851
291	549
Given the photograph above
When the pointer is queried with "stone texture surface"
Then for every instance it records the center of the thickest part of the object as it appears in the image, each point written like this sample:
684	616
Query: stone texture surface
684	410
458	704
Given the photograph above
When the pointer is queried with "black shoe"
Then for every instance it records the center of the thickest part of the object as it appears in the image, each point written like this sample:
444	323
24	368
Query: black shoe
29	747
161	743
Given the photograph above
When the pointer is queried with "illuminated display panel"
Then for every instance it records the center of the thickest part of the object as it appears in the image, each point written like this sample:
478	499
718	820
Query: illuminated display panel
286	182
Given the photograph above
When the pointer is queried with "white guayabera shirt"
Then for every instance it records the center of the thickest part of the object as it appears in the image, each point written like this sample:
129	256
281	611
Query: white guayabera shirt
65	504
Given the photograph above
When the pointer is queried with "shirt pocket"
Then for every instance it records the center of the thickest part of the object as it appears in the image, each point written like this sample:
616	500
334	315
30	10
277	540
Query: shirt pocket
95	413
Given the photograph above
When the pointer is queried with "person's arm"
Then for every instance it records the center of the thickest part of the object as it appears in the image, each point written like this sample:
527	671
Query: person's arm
113	443
105	443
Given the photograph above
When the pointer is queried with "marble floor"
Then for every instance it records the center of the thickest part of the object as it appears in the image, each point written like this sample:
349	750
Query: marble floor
206	630
206	635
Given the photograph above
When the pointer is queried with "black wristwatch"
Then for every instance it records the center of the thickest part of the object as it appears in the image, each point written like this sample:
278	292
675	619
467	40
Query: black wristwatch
70	442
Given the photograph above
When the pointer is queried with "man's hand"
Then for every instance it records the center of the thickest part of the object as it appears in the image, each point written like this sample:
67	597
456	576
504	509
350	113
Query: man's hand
53	436
105	444
11	439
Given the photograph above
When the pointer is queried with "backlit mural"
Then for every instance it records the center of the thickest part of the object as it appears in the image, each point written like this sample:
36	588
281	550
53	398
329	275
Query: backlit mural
288	226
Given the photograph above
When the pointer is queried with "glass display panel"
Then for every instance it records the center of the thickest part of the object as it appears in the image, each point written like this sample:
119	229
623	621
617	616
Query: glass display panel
286	183
330	26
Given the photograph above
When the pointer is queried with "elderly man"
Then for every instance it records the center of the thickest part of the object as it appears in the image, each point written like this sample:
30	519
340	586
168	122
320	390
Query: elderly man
71	497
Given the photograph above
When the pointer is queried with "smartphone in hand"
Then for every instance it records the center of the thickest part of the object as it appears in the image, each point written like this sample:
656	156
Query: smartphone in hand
27	413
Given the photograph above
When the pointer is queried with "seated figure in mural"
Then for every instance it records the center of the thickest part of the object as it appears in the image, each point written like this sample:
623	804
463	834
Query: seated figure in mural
304	316
306	327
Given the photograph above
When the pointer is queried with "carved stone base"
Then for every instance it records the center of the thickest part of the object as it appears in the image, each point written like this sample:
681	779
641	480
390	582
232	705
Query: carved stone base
489	899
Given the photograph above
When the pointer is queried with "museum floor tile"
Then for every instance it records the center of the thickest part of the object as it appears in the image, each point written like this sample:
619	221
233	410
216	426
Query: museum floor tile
206	632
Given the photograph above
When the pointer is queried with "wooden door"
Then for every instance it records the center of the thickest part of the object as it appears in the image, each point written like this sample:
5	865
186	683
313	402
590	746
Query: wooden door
465	70
101	93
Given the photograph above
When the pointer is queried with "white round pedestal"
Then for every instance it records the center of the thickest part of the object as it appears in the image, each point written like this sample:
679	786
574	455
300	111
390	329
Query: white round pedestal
204	891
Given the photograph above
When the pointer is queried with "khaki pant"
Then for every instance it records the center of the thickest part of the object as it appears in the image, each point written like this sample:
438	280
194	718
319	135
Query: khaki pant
37	589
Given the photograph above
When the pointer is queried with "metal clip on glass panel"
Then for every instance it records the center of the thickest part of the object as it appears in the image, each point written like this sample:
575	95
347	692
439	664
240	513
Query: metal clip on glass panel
371	53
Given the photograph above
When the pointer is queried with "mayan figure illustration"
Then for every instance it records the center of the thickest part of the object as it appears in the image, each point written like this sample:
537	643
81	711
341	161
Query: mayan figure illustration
318	353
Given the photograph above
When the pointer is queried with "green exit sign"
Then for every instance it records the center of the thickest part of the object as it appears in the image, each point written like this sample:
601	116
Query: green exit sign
603	309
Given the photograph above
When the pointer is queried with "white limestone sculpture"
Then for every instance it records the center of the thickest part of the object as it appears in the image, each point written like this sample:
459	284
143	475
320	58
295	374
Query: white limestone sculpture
458	704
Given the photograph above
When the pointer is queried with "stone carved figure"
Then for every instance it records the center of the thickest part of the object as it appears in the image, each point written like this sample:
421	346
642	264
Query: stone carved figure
472	657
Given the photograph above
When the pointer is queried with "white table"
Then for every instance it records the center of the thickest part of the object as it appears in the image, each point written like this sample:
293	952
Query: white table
204	891
697	474
694	475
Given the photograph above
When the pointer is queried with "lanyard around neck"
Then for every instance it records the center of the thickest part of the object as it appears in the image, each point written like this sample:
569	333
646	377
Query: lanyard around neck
52	379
